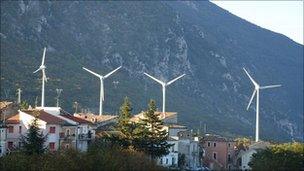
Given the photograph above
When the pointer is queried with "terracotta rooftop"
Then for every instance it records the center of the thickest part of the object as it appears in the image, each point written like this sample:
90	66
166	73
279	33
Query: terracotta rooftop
218	138
139	116
94	118
13	119
49	118
4	104
73	118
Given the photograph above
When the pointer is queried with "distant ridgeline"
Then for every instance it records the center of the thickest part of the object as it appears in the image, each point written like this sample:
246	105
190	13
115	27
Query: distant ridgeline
165	39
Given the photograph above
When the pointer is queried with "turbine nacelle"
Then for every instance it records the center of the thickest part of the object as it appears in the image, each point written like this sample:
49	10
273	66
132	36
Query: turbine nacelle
101	77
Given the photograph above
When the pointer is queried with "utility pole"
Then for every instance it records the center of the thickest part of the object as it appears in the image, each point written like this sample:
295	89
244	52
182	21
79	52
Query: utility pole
19	95
58	95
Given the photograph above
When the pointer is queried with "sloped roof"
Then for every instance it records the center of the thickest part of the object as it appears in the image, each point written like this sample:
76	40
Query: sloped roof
48	118
90	117
4	104
218	138
13	119
136	118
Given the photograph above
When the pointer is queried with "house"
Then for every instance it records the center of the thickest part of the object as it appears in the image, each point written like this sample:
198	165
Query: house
18	125
62	129
3	136
219	152
7	109
173	129
244	156
188	146
171	159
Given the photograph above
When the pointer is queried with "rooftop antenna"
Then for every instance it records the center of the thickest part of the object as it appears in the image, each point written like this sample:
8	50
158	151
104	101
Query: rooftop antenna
75	105
19	95
164	85
44	79
101	77
36	101
256	92
58	95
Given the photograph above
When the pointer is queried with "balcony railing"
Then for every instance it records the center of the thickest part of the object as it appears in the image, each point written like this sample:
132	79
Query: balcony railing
64	136
87	136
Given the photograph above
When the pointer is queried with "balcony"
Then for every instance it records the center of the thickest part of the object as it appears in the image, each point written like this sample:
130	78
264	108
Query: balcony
87	136
66	137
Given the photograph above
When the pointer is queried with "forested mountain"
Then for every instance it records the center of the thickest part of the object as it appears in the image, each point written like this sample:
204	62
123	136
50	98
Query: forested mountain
164	39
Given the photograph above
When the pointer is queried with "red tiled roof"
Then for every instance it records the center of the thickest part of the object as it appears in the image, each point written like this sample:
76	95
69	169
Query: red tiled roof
48	118
76	119
13	120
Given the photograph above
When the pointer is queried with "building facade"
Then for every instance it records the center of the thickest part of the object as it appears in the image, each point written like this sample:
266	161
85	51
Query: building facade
219	152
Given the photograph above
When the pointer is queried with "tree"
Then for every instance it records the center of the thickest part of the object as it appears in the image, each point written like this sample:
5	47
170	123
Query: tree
279	157
33	142
23	105
123	123
151	137
242	143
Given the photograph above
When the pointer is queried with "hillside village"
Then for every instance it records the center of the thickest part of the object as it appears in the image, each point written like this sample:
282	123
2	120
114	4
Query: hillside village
79	130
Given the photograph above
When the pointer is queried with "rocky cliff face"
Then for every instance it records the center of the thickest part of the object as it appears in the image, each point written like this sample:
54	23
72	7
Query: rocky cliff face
165	39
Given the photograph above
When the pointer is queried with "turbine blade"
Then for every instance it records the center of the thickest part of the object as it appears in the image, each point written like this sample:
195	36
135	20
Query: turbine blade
252	80
110	73
160	82
170	82
253	94
37	70
270	86
97	75
43	57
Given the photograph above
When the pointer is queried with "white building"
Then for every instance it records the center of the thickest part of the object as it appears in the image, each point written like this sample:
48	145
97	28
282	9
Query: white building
244	157
2	140
189	147
171	159
63	130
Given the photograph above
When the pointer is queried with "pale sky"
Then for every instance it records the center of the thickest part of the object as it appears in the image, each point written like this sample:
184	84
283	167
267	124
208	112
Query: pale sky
285	17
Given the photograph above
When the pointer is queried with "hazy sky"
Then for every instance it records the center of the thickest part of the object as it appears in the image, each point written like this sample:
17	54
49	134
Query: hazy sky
284	17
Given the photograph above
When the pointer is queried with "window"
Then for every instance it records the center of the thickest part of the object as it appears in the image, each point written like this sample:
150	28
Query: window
11	129
67	132
52	145
229	158
228	144
67	146
161	161
214	156
10	144
166	160
52	130
208	144
173	160
214	144
20	129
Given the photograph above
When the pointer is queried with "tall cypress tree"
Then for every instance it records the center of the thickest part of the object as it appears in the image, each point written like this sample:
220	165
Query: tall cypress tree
33	142
153	137
124	125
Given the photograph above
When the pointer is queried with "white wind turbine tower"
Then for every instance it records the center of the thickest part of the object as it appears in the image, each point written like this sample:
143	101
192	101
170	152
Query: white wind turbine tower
256	92
44	79
164	85
101	85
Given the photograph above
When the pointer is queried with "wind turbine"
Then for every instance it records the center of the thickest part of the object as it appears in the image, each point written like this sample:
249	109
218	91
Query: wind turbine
164	85
256	92
101	85
44	79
